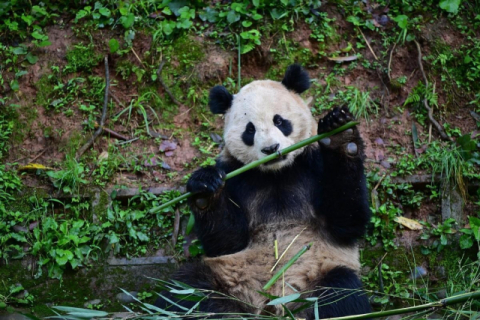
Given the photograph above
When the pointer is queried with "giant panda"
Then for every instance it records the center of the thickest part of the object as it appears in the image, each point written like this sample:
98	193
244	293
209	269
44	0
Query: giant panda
315	195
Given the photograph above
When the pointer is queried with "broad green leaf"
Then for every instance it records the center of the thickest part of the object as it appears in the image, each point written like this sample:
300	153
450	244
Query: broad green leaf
31	58
45	43
232	17
128	20
114	45
450	6
19	50
355	20
105	12
401	20
246	24
466	241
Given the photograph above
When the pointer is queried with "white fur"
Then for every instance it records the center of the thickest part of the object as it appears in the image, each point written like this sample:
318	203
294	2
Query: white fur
258	102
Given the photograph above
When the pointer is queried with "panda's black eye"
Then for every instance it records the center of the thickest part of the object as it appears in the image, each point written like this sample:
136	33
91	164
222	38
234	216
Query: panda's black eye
284	125
250	128
277	120
249	134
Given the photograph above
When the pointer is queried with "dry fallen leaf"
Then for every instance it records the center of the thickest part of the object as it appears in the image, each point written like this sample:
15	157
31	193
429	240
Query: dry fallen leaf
409	223
343	59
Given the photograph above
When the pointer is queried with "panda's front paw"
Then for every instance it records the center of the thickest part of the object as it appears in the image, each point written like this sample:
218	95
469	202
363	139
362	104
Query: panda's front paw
349	140
205	183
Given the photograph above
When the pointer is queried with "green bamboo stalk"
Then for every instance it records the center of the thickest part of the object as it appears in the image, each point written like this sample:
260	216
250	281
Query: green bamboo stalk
433	305
286	266
255	164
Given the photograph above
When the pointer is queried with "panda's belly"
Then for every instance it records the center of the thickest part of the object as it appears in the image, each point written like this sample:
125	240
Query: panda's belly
244	273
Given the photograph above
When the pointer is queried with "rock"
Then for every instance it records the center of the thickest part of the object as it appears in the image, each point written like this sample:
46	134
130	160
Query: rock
93	302
441	294
152	162
441	271
14	316
19	229
385	164
126	298
215	137
379	141
167	146
166	166
419	272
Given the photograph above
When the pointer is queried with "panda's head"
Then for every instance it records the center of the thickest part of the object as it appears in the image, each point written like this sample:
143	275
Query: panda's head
265	116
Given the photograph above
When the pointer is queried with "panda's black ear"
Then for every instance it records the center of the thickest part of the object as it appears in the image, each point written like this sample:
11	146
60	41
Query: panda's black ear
219	100
296	79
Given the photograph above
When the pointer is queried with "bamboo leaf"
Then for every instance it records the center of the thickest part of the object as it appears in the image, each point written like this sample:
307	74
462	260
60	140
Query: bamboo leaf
285	299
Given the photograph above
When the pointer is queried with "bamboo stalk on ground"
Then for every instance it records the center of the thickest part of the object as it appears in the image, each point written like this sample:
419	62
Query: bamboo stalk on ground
255	164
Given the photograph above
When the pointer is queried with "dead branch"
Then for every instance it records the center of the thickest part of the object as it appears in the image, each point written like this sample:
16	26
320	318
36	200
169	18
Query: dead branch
164	85
368	44
89	143
434	122
390	61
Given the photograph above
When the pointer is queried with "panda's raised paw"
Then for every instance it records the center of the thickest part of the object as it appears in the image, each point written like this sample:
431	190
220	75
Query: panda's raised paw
334	119
348	140
206	180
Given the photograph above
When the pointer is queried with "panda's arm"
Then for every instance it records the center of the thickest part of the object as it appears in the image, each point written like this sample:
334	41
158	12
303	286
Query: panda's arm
220	225
343	198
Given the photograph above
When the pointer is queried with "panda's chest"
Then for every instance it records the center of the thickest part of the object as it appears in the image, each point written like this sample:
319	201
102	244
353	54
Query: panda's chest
278	201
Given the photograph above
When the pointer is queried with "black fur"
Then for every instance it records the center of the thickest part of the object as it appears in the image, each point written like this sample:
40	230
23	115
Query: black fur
249	134
324	176
283	125
296	79
219	100
341	294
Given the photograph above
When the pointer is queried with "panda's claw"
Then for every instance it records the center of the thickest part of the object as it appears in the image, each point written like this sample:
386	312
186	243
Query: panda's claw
346	141
208	180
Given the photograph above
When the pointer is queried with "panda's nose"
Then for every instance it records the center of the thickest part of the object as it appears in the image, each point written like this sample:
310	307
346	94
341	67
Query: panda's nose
273	148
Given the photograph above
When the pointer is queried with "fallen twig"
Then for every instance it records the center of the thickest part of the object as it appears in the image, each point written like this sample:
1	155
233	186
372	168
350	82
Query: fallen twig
38	155
112	94
390	61
112	133
434	122
164	85
368	44
89	143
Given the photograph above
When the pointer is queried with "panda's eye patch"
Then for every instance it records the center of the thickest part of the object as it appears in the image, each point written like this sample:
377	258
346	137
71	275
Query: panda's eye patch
283	125
250	128
249	134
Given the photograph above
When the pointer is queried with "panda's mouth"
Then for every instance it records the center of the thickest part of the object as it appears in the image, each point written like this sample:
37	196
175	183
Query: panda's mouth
277	160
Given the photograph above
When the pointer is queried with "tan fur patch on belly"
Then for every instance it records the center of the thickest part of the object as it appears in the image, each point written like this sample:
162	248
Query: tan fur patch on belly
244	273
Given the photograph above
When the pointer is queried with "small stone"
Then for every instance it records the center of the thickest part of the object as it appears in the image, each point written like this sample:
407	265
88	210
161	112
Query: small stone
379	141
152	162
92	303
441	271
169	153
167	146
419	272
33	225
215	137
385	164
166	166
19	229
442	294
122	297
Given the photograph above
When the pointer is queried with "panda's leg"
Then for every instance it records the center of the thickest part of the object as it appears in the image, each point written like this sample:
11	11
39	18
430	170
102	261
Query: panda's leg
199	276
343	191
340	294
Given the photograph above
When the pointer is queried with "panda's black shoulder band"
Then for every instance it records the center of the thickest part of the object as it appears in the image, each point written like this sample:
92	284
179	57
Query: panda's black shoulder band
219	100
296	79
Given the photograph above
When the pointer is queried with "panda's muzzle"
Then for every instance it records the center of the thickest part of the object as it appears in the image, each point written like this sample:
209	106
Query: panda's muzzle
271	149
